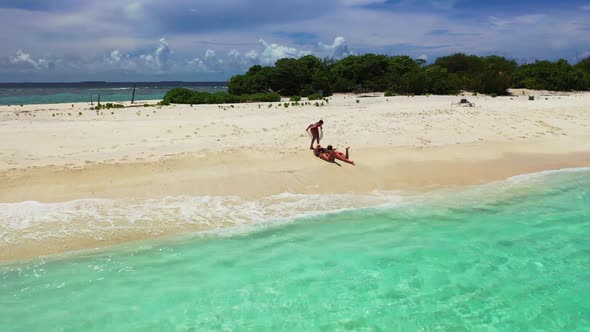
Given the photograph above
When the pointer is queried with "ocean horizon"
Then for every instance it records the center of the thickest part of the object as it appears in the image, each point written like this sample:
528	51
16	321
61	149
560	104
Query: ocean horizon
29	93
508	255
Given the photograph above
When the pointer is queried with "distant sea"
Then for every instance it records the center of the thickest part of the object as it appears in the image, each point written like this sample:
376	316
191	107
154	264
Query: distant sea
52	93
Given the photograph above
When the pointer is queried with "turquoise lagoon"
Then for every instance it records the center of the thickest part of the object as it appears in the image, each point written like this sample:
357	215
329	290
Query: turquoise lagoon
511	255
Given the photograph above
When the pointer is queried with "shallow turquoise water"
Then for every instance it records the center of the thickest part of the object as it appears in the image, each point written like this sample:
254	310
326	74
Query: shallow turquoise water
501	257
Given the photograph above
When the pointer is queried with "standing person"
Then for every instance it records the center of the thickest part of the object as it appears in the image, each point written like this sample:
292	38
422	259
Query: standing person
315	131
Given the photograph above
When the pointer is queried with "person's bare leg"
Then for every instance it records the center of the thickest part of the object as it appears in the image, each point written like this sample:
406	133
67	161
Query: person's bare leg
312	140
348	160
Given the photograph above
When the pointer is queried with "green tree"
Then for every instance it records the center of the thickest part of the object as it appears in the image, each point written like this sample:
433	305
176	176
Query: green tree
555	76
439	81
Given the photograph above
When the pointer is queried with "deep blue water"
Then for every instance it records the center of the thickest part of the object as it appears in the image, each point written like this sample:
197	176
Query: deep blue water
51	93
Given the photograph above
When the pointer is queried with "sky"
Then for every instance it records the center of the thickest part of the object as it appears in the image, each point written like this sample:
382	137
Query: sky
194	40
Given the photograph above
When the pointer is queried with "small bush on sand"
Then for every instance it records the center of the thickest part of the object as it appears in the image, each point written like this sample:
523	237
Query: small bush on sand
295	98
315	96
108	106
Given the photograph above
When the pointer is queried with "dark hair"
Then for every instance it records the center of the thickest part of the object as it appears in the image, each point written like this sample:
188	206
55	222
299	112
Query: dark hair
329	147
321	121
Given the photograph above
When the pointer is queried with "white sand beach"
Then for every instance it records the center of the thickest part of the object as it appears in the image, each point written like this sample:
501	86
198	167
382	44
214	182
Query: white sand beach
67	152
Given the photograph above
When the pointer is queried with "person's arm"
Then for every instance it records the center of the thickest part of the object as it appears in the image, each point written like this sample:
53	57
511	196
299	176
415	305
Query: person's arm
309	127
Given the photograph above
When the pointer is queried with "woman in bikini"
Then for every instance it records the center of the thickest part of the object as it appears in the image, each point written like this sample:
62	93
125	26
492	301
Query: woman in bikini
329	154
339	155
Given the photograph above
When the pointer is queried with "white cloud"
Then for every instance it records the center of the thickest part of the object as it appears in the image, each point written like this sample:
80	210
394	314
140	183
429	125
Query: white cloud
160	58
273	52
198	64
163	53
22	57
233	53
134	10
236	62
423	57
209	63
252	55
120	61
585	7
338	49
529	19
521	19
114	57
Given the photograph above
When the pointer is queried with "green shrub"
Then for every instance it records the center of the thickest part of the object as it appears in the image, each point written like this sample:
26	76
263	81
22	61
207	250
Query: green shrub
186	96
315	96
178	95
108	106
295	98
389	94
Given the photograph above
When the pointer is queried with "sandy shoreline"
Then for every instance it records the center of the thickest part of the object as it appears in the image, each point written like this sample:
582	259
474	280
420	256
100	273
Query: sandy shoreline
253	151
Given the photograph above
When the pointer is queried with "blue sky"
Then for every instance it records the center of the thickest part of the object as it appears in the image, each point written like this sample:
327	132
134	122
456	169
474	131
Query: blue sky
191	40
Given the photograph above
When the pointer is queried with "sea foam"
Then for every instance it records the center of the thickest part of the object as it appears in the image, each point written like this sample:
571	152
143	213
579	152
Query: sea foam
35	220
97	218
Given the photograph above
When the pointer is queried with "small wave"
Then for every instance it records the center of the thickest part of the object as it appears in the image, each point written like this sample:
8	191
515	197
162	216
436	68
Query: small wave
98	217
541	174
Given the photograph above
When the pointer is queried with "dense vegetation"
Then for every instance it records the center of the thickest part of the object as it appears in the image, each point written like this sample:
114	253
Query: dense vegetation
309	75
557	76
317	78
186	96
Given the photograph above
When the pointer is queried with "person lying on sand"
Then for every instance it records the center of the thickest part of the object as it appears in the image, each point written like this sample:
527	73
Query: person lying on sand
330	154
339	155
315	131
322	153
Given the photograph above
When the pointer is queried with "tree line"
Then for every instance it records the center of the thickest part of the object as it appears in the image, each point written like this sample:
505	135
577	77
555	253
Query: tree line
403	75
